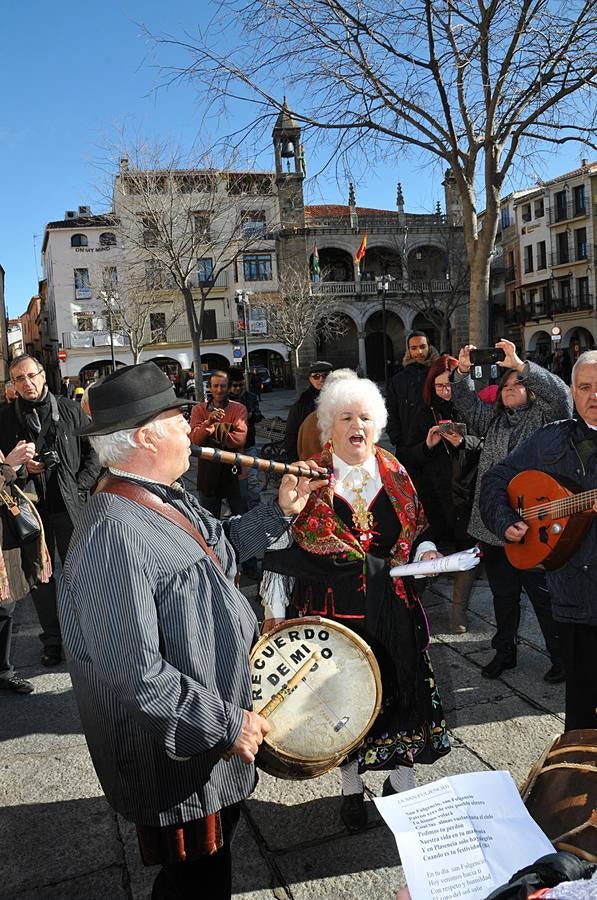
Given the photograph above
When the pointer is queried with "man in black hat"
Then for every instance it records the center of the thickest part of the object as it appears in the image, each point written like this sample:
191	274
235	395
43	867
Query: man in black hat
318	372
157	636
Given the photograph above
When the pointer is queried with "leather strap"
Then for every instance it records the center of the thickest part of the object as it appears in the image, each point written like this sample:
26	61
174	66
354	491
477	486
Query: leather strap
144	497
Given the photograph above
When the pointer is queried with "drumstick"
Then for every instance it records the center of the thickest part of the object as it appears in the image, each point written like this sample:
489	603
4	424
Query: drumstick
286	689
214	454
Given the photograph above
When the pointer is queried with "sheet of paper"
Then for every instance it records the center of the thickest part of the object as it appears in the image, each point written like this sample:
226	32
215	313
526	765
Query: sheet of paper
455	562
461	837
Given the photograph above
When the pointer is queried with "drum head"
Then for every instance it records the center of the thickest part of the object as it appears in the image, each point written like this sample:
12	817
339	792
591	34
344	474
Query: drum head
335	696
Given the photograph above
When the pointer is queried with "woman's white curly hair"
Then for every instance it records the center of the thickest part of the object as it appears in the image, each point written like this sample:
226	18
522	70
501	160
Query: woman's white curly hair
342	388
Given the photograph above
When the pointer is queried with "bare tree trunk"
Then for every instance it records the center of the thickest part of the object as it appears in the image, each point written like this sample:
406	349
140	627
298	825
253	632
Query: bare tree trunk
443	335
195	332
479	300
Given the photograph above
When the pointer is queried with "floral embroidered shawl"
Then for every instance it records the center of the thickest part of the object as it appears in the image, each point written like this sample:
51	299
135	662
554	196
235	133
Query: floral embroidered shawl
320	530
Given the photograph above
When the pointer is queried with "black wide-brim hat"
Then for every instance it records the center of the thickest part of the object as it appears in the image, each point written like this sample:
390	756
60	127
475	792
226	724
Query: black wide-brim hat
130	397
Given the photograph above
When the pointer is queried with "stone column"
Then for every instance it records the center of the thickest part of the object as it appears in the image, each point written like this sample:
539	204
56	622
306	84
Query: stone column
362	351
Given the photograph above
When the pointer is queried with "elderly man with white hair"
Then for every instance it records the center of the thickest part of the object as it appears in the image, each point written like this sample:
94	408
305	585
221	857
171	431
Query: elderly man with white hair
157	636
347	538
567	450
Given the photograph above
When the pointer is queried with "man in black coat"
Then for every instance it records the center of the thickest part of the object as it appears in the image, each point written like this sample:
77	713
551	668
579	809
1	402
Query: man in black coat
318	372
250	487
567	450
61	475
405	392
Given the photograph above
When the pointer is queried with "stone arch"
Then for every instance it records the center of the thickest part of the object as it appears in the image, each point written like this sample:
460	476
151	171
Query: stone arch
381	259
539	342
341	351
374	343
99	368
427	262
576	340
422	323
273	361
172	368
214	361
335	264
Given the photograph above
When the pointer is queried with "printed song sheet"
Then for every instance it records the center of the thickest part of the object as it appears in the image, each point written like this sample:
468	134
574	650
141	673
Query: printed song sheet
455	562
461	837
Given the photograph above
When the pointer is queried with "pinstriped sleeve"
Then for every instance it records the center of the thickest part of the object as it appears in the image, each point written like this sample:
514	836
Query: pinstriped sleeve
111	593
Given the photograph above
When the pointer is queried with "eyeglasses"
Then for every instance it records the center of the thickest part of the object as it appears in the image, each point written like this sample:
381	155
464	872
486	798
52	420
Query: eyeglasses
319	375
21	379
440	386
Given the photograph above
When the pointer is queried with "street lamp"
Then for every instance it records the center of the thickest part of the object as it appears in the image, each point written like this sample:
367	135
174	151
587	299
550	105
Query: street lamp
383	286
109	298
242	305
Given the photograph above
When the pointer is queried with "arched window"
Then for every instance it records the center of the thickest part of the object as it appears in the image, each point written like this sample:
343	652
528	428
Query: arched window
78	240
107	239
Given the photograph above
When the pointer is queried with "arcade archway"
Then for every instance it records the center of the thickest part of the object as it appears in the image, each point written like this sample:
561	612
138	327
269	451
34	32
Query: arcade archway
374	344
99	368
341	350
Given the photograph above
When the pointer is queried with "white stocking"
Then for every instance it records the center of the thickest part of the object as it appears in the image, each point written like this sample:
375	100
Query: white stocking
352	783
402	779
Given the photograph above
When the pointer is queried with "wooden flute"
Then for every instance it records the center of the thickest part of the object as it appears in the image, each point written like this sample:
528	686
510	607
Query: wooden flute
214	454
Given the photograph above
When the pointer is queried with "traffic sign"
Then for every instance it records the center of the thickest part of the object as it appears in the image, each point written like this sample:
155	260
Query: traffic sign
556	337
62	355
555	331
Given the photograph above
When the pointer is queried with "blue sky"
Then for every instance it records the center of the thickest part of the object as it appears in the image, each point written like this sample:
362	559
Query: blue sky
75	76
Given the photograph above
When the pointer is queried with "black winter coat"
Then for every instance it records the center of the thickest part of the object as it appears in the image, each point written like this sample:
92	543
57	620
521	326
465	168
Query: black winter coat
444	476
296	416
405	398
553	449
79	466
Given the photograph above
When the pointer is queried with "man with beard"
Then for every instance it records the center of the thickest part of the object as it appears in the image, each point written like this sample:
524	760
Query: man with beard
405	393
59	477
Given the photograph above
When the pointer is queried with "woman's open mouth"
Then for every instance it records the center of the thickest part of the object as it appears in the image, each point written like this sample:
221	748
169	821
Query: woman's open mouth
356	439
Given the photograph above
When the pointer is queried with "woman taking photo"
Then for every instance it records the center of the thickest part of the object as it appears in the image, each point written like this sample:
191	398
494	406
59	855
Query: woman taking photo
351	532
528	398
443	464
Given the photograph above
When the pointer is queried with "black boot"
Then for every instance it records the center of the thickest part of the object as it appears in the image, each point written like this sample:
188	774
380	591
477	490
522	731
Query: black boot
497	665
353	812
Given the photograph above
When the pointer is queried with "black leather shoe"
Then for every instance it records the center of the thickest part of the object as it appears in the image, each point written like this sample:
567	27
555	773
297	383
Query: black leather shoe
387	789
17	685
555	675
497	665
353	812
51	656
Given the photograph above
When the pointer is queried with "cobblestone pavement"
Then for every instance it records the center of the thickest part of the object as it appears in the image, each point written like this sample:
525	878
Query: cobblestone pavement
61	841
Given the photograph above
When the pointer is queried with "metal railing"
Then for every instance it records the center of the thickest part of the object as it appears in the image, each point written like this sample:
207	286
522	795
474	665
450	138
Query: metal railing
370	288
561	212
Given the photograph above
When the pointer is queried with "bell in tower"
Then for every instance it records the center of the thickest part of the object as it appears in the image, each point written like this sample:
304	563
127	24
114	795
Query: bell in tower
287	144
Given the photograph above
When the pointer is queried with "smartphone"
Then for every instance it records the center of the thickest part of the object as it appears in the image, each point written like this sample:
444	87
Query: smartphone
452	427
487	356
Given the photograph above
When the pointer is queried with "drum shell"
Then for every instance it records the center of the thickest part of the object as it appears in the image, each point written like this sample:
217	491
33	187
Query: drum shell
273	757
560	793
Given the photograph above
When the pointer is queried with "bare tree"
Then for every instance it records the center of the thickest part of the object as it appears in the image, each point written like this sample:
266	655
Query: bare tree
300	313
475	84
440	295
185	226
138	311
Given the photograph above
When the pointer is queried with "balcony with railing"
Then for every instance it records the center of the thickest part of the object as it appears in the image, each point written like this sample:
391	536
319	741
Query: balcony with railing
558	306
367	289
561	212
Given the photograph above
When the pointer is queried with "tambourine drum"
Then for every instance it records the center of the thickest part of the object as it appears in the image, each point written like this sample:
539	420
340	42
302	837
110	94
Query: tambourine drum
560	793
319	686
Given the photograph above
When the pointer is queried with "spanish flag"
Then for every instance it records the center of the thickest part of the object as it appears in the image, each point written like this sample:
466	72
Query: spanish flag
362	249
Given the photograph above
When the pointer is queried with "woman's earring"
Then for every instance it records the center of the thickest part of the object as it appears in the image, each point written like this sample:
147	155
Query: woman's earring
331	446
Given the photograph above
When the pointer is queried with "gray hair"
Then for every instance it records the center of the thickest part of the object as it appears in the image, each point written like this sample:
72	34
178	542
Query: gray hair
586	358
114	449
21	358
342	388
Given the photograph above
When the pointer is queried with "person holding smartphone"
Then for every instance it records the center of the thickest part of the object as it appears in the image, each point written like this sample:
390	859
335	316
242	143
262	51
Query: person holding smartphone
528	398
442	458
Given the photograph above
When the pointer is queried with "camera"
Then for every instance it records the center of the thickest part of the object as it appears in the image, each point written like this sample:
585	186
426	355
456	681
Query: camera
487	356
49	458
446	427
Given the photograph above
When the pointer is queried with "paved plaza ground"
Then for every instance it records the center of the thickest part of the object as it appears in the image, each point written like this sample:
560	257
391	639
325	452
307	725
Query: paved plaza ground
61	841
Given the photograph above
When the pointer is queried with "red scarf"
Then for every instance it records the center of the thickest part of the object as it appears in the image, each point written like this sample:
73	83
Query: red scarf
320	530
